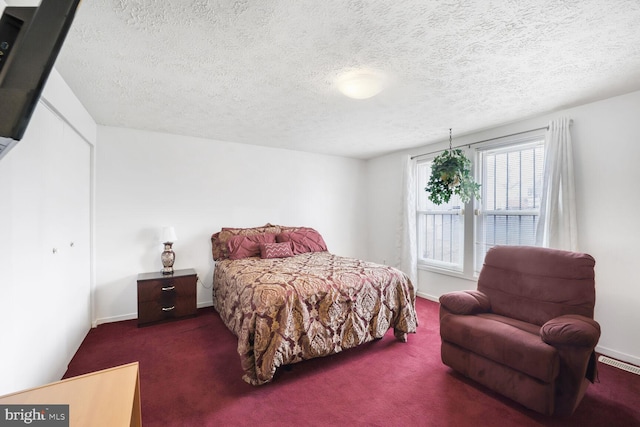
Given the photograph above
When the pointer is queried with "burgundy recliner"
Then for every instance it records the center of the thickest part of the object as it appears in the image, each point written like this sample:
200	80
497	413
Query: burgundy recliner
527	332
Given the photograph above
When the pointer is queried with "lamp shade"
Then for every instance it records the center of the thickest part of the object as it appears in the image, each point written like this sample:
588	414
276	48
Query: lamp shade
168	234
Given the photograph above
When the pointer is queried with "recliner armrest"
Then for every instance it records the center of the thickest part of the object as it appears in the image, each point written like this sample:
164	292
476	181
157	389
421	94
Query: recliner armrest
466	302
571	329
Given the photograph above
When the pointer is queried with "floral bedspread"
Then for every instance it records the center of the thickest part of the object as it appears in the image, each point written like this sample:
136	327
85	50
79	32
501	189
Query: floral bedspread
285	310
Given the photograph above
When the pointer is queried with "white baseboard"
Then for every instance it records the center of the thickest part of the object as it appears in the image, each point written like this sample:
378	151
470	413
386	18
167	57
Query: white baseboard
427	296
601	350
130	316
205	304
623	357
111	319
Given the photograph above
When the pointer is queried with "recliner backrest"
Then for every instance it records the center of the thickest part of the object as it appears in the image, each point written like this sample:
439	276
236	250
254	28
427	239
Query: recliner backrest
535	284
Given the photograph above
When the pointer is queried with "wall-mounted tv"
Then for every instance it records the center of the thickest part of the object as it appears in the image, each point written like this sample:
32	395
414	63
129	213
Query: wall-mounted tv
30	40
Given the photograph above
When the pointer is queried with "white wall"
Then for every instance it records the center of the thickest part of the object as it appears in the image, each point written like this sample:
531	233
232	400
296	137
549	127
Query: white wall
146	180
606	141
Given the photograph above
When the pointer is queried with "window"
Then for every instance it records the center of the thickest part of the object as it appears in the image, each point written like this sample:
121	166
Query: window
510	175
511	180
440	227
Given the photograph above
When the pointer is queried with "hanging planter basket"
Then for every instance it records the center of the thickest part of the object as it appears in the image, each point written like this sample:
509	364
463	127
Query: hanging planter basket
451	174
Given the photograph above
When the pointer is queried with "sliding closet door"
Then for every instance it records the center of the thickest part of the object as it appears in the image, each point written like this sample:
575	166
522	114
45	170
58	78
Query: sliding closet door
66	235
75	212
45	207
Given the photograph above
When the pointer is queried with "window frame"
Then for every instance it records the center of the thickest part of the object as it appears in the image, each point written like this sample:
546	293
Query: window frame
433	264
471	210
519	144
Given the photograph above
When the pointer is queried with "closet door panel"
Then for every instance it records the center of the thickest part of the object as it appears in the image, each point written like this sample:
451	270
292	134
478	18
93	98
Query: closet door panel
66	216
75	213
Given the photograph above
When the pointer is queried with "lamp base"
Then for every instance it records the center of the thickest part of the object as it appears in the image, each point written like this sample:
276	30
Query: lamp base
168	257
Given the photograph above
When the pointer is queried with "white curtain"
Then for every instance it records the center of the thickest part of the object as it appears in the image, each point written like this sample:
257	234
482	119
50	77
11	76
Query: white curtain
557	226
408	262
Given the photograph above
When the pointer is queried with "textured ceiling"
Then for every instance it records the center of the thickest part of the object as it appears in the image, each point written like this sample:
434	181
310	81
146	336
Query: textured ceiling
263	72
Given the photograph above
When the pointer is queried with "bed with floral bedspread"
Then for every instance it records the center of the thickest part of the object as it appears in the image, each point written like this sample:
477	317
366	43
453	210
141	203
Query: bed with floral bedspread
288	305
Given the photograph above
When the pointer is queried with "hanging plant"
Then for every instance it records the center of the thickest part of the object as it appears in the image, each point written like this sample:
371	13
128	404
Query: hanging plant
451	174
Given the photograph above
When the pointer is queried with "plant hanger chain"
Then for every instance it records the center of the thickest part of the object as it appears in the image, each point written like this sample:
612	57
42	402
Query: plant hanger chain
450	147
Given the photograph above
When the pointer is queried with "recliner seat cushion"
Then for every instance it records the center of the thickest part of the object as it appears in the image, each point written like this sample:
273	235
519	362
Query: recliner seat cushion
513	343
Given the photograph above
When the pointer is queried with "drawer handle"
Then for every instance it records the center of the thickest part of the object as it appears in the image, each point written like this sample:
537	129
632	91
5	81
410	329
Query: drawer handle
168	308
168	288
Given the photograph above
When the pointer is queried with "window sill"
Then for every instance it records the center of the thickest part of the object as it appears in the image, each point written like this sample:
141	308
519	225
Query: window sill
447	272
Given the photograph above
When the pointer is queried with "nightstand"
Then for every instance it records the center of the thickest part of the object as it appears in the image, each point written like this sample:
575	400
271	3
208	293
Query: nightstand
164	297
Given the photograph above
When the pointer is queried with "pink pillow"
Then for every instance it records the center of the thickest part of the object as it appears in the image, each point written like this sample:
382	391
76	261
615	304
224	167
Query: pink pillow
276	250
303	240
248	246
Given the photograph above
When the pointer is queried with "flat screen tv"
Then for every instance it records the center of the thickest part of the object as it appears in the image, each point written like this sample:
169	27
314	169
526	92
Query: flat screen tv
30	40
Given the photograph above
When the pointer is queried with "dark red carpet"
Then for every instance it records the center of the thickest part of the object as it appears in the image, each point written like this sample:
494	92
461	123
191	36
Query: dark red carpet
190	376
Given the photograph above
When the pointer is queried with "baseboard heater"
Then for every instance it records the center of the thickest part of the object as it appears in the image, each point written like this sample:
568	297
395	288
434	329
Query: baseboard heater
620	365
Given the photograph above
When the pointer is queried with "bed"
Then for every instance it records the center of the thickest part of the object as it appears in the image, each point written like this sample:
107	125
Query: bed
288	299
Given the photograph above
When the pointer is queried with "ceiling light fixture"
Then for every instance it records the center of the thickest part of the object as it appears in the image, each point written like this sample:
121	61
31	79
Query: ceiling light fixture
361	84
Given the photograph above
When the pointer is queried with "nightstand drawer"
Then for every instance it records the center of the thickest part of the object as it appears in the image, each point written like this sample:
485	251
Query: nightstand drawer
165	297
153	311
153	290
